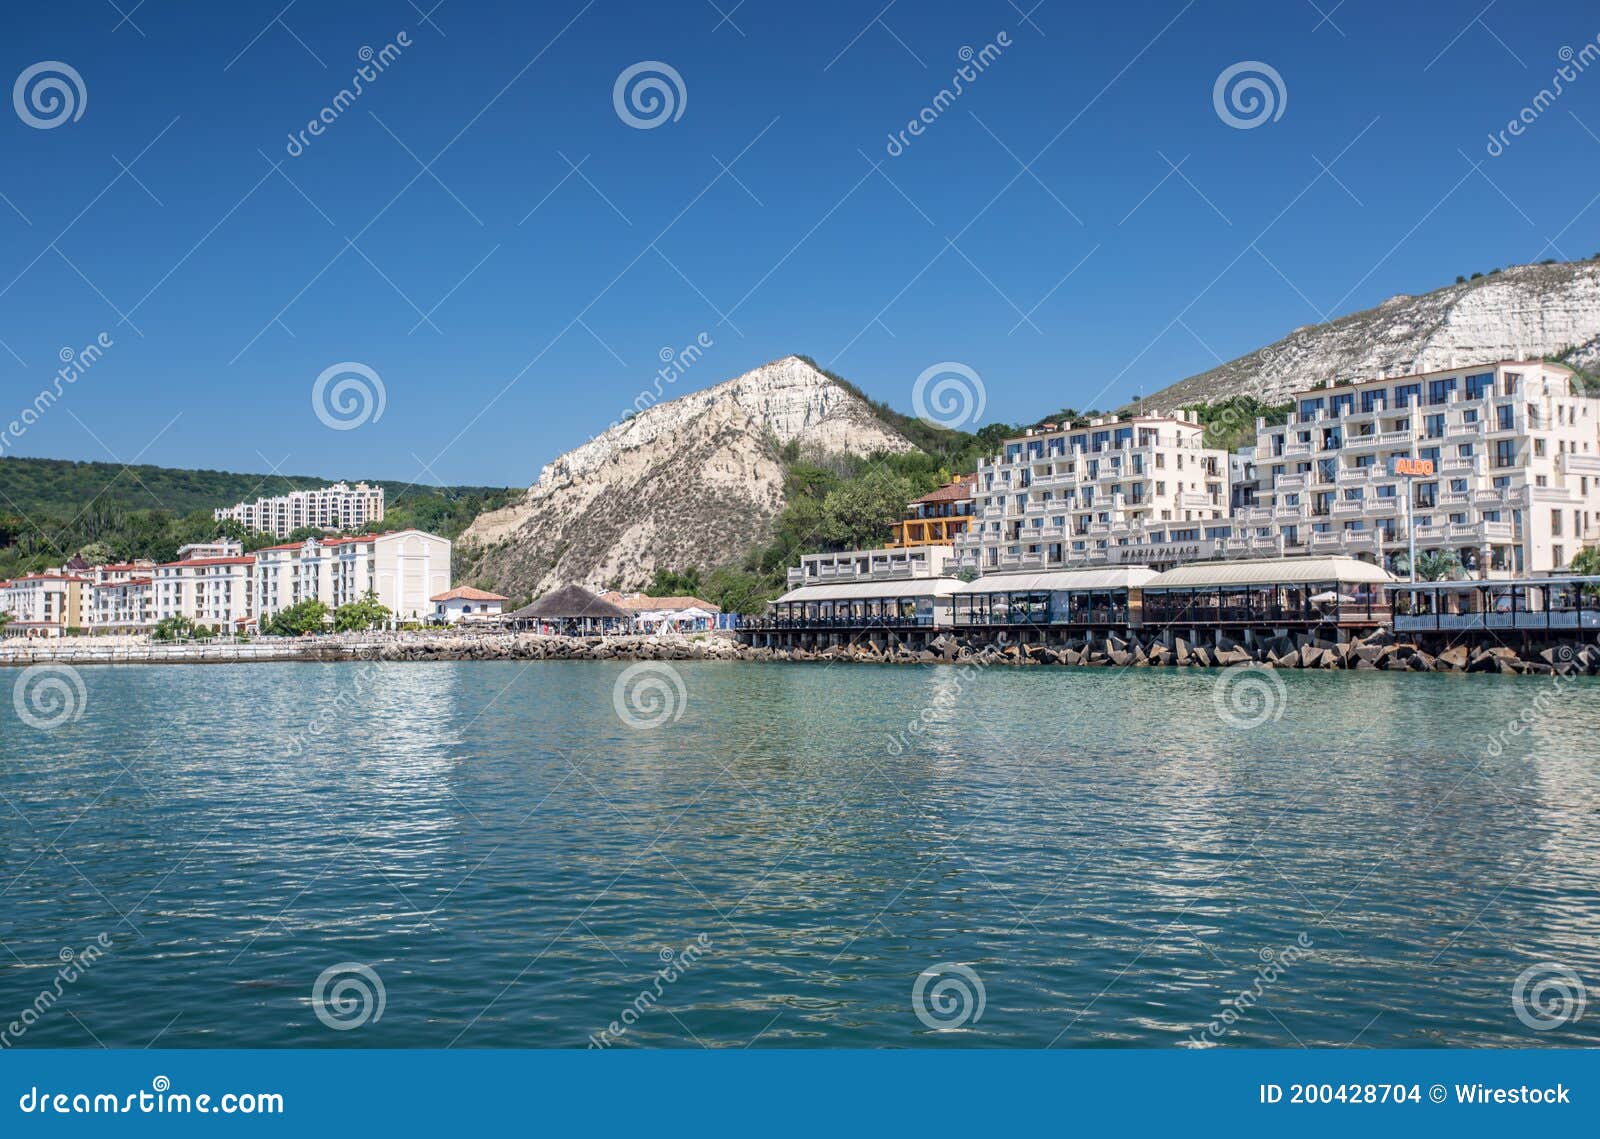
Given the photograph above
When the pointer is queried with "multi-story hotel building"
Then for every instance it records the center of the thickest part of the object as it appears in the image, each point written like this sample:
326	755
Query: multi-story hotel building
336	507
939	517
43	604
406	569
211	591
1515	454
1145	489
121	597
217	585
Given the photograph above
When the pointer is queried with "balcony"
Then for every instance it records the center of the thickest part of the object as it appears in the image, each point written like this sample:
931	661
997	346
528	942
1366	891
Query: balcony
1291	482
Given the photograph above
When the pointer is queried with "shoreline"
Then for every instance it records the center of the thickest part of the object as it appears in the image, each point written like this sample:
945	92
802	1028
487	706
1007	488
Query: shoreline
1380	651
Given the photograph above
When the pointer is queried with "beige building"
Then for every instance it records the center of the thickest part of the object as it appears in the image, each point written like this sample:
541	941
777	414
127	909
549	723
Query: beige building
1114	491
121	597
43	604
334	508
1514	485
406	569
211	591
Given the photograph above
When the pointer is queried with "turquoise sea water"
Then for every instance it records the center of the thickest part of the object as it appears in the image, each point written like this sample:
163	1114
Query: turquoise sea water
1109	858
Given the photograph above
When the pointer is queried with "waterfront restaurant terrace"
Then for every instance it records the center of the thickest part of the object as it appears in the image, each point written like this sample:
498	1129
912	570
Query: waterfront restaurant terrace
1079	598
1534	604
862	605
1276	592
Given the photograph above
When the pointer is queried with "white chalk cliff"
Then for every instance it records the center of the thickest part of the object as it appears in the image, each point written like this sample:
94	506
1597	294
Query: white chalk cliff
694	481
1526	311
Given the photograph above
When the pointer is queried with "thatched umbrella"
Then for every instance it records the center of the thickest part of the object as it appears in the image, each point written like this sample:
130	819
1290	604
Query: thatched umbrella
571	609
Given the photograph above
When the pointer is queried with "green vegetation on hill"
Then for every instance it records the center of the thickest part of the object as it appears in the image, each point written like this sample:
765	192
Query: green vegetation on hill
839	504
51	509
1231	423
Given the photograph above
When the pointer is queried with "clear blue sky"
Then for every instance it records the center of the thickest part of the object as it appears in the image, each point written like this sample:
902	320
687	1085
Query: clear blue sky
545	322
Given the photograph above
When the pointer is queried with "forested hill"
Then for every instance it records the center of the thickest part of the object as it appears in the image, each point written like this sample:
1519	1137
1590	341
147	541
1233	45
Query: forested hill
57	486
51	509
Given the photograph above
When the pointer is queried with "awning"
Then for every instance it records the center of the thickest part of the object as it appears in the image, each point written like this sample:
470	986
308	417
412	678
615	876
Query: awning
1114	577
873	590
1271	571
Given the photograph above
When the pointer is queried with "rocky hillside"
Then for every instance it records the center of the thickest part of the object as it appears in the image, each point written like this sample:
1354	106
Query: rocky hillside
698	480
1527	311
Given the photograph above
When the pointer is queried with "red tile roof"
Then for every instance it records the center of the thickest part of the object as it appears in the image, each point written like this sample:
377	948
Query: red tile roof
467	593
642	604
245	561
957	490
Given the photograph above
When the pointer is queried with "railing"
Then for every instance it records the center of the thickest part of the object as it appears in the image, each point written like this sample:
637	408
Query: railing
775	624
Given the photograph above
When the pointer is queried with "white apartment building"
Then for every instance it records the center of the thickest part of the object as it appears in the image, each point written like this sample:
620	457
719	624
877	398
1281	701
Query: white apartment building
1515	453
43	604
406	569
211	591
891	563
336	507
121	597
1144	489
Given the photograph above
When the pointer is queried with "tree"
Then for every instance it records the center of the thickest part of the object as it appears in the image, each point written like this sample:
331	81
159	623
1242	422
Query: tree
173	629
359	616
1439	566
309	616
675	583
1586	563
863	511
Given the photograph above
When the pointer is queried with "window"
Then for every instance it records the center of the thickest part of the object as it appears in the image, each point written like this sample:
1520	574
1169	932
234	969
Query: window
1439	390
1505	417
1555	525
1479	385
1427	493
1505	452
1538	448
1407	394
1433	425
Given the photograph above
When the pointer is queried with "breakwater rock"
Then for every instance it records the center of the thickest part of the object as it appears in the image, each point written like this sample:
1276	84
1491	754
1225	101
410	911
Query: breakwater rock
1380	650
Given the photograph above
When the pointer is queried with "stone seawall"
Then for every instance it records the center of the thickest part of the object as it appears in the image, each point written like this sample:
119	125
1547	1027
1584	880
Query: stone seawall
1380	650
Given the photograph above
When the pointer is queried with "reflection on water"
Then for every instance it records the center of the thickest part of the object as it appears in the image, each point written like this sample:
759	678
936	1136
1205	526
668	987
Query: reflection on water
1114	862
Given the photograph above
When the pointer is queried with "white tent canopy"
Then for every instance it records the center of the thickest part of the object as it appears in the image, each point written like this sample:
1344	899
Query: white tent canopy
873	590
1117	577
1271	571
